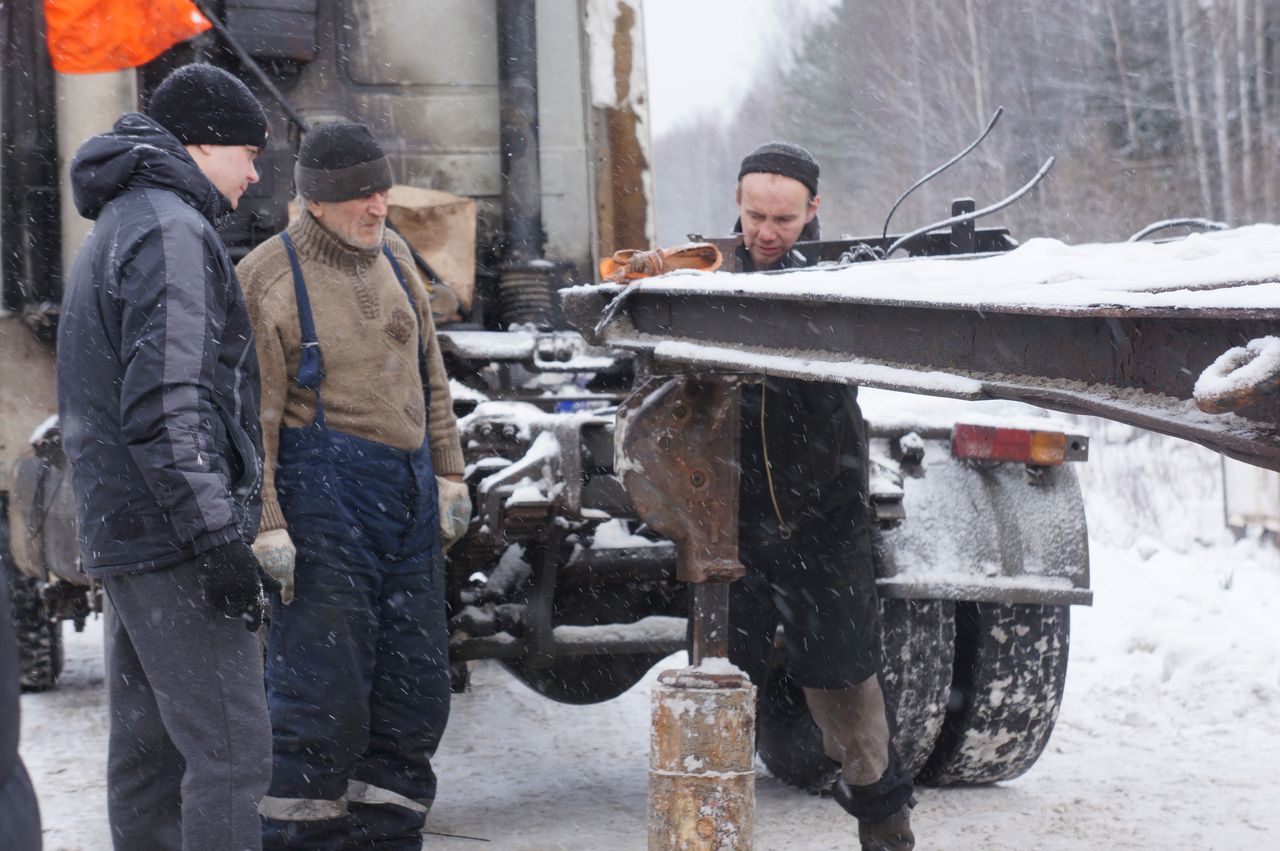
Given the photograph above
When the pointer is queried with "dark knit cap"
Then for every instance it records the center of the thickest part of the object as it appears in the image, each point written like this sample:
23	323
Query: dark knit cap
785	159
204	105
339	162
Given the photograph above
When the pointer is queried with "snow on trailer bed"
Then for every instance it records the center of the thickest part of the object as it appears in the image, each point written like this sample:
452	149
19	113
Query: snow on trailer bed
1230	270
1122	331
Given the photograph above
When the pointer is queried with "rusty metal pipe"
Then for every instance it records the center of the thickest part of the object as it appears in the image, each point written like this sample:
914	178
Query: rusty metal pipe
709	617
701	762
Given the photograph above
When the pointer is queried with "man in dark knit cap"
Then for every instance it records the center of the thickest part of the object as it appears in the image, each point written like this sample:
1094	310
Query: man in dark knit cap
777	199
362	490
805	529
158	404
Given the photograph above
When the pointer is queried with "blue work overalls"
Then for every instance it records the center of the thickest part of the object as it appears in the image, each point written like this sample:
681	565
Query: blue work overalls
357	666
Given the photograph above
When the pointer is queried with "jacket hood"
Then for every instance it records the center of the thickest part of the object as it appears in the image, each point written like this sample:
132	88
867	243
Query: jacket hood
140	154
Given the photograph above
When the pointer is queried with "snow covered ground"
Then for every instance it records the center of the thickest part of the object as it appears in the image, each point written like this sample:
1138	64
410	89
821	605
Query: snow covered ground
1169	735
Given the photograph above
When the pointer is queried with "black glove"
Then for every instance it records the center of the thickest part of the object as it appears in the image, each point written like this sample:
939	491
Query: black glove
233	582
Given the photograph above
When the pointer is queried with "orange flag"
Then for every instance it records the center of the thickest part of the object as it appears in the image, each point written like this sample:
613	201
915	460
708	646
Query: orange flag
92	36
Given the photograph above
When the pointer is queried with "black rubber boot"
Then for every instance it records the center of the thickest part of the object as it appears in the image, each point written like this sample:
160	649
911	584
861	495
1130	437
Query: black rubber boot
890	834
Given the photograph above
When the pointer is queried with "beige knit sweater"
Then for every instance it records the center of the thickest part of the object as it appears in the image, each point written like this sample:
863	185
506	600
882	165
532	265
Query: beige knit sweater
369	337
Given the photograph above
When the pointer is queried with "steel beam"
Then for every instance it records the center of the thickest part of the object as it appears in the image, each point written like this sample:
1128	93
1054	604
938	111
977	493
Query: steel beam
1133	365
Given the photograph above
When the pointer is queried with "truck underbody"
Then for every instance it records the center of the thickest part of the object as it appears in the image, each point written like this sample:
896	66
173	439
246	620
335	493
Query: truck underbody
977	564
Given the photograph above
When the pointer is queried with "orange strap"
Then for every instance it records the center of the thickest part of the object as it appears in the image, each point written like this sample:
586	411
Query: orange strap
630	264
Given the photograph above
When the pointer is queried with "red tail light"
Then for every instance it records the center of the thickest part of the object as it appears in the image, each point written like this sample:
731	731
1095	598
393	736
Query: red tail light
1025	446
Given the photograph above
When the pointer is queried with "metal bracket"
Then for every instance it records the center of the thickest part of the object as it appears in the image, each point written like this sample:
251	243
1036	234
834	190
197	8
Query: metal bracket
677	454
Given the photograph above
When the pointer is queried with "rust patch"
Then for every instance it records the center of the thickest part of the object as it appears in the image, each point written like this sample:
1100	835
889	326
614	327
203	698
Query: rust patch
622	200
701	774
677	447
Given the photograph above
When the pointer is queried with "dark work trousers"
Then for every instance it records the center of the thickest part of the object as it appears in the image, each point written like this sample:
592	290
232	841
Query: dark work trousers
819	585
188	756
357	665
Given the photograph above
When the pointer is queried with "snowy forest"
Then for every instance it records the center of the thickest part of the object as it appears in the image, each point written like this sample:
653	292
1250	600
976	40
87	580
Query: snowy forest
1153	109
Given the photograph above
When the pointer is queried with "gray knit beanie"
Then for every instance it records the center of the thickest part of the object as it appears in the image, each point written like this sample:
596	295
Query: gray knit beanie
339	162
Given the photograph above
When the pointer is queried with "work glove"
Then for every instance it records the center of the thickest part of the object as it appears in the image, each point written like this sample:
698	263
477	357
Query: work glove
455	510
276	553
233	582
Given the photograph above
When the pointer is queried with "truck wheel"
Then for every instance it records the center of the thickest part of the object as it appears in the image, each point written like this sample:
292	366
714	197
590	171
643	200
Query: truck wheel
919	644
919	652
586	679
1010	670
39	632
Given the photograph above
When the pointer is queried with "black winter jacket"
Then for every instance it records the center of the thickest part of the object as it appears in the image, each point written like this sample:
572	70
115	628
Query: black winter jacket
817	448
157	373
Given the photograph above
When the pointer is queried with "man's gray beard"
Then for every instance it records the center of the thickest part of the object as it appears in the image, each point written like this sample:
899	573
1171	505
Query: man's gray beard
382	233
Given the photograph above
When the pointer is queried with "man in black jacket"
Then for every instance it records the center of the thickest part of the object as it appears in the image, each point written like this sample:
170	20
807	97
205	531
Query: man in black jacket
805	529
158	403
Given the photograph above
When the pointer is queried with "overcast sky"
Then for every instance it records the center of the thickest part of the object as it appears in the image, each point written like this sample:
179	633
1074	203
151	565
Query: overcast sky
703	54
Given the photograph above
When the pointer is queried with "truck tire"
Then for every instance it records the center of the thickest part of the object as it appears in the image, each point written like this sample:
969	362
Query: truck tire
1010	670
919	652
39	636
39	632
918	649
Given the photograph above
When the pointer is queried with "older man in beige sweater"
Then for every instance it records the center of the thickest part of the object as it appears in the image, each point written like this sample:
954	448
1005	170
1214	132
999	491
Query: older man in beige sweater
362	491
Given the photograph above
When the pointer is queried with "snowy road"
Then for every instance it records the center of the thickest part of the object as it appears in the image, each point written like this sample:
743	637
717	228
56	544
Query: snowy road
1169	734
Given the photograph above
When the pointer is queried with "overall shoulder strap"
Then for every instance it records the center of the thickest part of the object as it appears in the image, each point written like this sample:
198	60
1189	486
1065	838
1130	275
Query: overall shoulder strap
422	353
310	360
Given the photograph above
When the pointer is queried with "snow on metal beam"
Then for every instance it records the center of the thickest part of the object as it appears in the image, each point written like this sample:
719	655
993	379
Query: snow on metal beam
1121	331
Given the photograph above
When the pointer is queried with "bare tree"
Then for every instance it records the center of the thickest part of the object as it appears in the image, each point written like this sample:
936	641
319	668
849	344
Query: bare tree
918	86
1221	123
1154	108
975	64
1266	132
1117	41
1247	188
1194	117
1176	75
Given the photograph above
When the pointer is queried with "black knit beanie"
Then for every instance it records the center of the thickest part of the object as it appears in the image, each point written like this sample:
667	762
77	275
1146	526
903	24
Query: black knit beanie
785	159
204	105
339	162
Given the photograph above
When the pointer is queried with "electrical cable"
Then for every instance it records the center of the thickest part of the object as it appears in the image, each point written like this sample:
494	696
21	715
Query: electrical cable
1207	224
940	169
976	214
784	530
249	62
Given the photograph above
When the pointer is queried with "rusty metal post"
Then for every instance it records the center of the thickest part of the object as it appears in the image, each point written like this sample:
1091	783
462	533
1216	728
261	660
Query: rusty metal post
701	774
677	453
